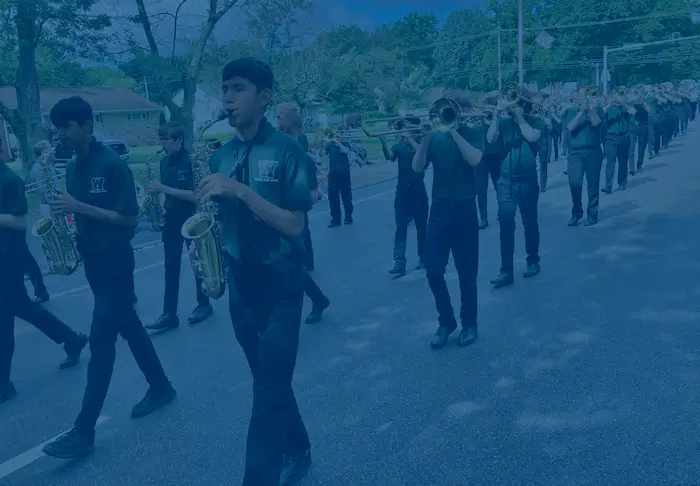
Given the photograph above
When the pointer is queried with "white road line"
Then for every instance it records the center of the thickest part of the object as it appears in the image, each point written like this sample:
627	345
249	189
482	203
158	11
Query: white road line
81	290
26	458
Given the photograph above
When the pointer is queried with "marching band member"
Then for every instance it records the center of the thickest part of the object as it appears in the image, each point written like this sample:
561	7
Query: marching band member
667	115
585	158
339	182
556	131
489	168
453	224
544	143
518	187
262	180
617	113
639	132
684	114
411	199
14	301
693	102
176	182
289	121
102	196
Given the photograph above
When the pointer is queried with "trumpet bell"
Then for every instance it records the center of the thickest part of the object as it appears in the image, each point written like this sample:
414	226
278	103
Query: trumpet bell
445	114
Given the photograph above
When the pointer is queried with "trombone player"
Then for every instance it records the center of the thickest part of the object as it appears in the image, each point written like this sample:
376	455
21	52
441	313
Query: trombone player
411	199
583	121
518	187
617	112
453	225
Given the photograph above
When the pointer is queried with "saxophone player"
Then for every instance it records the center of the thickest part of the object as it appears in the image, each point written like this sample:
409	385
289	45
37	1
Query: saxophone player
102	196
180	203
14	300
262	182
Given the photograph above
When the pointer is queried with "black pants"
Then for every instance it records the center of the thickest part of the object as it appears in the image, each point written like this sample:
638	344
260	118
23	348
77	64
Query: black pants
339	186
15	302
514	193
639	137
669	121
556	138
616	151
33	271
453	226
172	248
111	279
693	109
490	167
410	203
265	304
659	134
585	162
543	154
308	247
683	121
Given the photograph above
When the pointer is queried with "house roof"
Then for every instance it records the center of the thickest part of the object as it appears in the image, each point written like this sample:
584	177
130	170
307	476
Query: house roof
100	98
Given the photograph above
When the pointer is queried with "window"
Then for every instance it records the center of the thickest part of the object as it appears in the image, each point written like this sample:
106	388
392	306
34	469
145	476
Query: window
98	117
137	115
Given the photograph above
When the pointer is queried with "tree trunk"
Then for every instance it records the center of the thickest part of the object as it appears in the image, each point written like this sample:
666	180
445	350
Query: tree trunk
27	82
189	90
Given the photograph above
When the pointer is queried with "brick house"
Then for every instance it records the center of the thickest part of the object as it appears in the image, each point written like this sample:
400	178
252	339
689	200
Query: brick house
119	112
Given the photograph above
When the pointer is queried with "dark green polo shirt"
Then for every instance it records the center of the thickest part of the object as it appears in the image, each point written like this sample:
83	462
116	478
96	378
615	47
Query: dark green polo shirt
304	143
654	105
103	180
176	172
338	162
490	148
666	108
585	135
403	155
520	154
616	121
274	165
12	201
453	177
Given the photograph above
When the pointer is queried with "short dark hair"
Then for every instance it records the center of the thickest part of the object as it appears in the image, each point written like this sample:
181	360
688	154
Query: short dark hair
172	130
73	109
254	70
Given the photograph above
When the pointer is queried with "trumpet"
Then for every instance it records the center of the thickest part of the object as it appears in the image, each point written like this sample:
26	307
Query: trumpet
621	91
593	95
512	96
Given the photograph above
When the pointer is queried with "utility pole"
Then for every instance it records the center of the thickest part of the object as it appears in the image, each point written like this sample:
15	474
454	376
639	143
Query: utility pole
145	88
521	47
500	64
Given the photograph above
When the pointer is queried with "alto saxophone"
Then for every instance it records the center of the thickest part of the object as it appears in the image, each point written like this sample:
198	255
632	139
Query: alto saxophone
56	237
150	203
201	230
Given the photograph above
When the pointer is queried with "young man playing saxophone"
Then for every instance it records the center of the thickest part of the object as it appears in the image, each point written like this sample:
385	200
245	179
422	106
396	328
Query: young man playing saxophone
180	203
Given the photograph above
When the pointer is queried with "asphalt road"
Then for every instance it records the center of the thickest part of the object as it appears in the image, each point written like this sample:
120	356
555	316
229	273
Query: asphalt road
586	375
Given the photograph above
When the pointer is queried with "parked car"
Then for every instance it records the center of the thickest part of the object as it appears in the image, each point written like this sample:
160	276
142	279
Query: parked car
63	154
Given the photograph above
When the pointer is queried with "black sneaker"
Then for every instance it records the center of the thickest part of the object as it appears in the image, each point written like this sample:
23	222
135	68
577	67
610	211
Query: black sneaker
574	220
73	351
622	187
70	446
441	336
166	321
153	400
200	313
606	190
41	297
348	220
503	279
467	336
484	224
316	313
398	269
532	270
294	468
7	392
333	224
591	222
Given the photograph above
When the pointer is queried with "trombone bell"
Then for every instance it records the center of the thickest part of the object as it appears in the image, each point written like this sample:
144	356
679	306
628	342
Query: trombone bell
445	115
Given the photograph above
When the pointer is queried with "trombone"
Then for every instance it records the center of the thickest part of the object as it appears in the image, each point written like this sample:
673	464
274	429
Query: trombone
512	96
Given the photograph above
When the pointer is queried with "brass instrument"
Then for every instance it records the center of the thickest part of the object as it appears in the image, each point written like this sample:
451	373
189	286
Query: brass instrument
150	202
512	96
639	90
56	237
622	91
445	115
593	95
201	230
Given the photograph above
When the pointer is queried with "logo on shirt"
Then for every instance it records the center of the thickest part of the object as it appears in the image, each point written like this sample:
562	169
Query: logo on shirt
97	185
266	171
181	175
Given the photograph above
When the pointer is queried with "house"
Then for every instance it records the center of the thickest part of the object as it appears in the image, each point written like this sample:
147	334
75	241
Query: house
207	103
119	112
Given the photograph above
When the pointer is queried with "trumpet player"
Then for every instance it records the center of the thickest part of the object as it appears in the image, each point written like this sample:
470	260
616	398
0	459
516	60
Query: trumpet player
411	199
14	301
517	187
585	158
262	180
617	112
102	196
453	224
339	182
639	132
177	184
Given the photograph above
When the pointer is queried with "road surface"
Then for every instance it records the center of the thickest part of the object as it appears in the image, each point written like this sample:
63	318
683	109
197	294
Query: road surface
585	375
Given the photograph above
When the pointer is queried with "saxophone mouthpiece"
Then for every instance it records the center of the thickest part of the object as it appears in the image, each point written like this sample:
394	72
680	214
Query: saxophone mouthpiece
223	114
